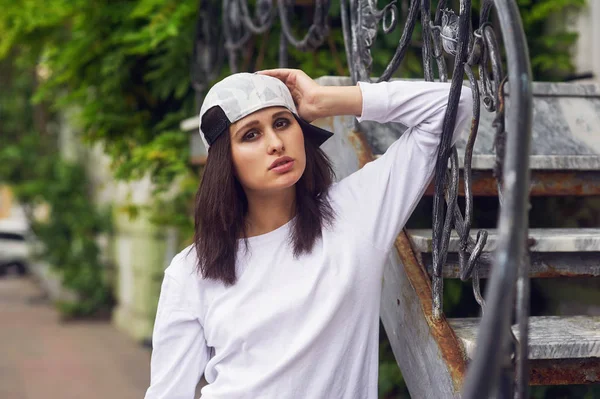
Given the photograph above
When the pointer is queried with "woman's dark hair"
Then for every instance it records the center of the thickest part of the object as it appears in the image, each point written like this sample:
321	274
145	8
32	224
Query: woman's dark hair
221	207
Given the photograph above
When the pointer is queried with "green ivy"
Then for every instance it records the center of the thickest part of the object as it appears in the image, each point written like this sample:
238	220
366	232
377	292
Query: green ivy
69	235
124	64
30	163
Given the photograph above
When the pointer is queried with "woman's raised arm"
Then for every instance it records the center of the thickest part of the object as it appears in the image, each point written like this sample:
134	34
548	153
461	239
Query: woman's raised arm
415	104
384	193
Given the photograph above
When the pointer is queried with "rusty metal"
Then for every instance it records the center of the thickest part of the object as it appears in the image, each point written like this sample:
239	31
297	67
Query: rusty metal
543	264
543	183
558	273
448	344
361	147
565	183
565	371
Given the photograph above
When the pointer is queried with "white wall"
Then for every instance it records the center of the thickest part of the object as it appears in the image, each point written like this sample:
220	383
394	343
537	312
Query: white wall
587	50
138	249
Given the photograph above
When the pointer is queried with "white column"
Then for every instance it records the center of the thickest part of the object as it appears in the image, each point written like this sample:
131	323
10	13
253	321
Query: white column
587	50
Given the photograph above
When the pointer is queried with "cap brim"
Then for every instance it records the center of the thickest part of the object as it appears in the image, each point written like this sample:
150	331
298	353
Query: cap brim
312	132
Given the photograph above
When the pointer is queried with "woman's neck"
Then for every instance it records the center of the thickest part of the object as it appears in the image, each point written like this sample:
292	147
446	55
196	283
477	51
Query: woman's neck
267	212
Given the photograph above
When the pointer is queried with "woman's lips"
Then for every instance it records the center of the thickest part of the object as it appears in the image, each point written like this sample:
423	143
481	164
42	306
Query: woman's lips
283	168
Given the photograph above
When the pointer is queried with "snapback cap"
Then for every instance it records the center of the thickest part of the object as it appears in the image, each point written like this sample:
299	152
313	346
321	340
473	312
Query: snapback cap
241	94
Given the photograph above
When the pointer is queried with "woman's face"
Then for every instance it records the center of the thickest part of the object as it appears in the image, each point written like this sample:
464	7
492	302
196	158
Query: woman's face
267	148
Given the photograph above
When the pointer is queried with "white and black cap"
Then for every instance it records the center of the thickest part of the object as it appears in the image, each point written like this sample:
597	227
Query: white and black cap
241	94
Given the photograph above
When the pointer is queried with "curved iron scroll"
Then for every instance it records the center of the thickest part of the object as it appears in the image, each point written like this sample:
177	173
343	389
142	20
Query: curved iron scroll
513	222
446	35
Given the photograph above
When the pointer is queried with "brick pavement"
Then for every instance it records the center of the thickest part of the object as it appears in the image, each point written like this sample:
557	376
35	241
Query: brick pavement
40	357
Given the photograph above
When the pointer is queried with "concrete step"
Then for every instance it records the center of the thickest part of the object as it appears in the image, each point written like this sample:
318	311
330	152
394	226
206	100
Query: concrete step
562	349
554	252
543	240
543	264
550	337
556	163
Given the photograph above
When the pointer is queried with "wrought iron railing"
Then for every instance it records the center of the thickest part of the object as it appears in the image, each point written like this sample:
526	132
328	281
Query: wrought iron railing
445	36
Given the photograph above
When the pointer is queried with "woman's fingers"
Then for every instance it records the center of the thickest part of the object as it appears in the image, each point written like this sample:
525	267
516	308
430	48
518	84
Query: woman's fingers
287	76
302	88
280	73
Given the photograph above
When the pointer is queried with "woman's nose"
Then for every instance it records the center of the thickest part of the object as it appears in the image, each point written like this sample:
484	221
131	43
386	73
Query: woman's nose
274	142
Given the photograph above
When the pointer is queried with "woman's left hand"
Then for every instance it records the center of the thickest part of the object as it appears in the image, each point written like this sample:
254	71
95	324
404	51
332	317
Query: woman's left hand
314	101
304	90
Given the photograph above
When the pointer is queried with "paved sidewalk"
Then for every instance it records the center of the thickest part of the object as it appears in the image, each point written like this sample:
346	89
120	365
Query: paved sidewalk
43	358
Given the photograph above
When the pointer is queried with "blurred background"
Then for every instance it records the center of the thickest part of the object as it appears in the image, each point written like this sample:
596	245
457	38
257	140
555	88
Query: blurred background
97	176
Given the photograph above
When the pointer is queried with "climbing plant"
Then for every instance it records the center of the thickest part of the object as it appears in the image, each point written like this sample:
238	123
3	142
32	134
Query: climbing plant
126	66
69	234
30	163
70	239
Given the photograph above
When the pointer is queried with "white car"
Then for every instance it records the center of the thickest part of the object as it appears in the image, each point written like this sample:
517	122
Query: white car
14	246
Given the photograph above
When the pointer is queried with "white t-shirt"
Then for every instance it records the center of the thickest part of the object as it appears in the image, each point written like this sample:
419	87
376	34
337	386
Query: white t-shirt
307	327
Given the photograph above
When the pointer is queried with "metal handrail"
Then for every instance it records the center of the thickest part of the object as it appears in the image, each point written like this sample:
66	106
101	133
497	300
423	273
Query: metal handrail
491	366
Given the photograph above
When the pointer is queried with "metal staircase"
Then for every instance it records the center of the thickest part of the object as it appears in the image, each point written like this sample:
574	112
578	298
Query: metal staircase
562	349
565	160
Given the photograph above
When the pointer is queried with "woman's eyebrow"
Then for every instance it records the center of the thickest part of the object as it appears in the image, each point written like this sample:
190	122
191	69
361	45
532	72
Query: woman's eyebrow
280	113
247	125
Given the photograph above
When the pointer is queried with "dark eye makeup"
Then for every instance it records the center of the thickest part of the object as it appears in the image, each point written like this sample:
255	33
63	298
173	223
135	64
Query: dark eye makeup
280	123
250	135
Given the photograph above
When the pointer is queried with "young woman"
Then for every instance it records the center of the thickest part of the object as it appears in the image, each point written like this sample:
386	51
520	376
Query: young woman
279	296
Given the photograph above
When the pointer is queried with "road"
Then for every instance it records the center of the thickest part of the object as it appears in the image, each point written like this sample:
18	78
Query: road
42	357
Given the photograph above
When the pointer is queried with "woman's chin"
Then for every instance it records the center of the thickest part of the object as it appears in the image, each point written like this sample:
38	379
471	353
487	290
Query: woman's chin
283	182
280	182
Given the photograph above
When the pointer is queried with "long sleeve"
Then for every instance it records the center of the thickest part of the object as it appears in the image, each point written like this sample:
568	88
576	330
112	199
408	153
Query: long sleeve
179	353
383	194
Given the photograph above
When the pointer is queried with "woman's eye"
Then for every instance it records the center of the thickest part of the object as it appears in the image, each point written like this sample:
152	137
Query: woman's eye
281	123
251	135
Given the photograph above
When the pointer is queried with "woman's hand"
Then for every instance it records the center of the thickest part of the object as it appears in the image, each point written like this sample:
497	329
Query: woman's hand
304	90
314	101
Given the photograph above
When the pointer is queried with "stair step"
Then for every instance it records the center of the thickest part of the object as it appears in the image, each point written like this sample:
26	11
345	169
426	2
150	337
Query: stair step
544	240
543	264
550	337
556	163
540	162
